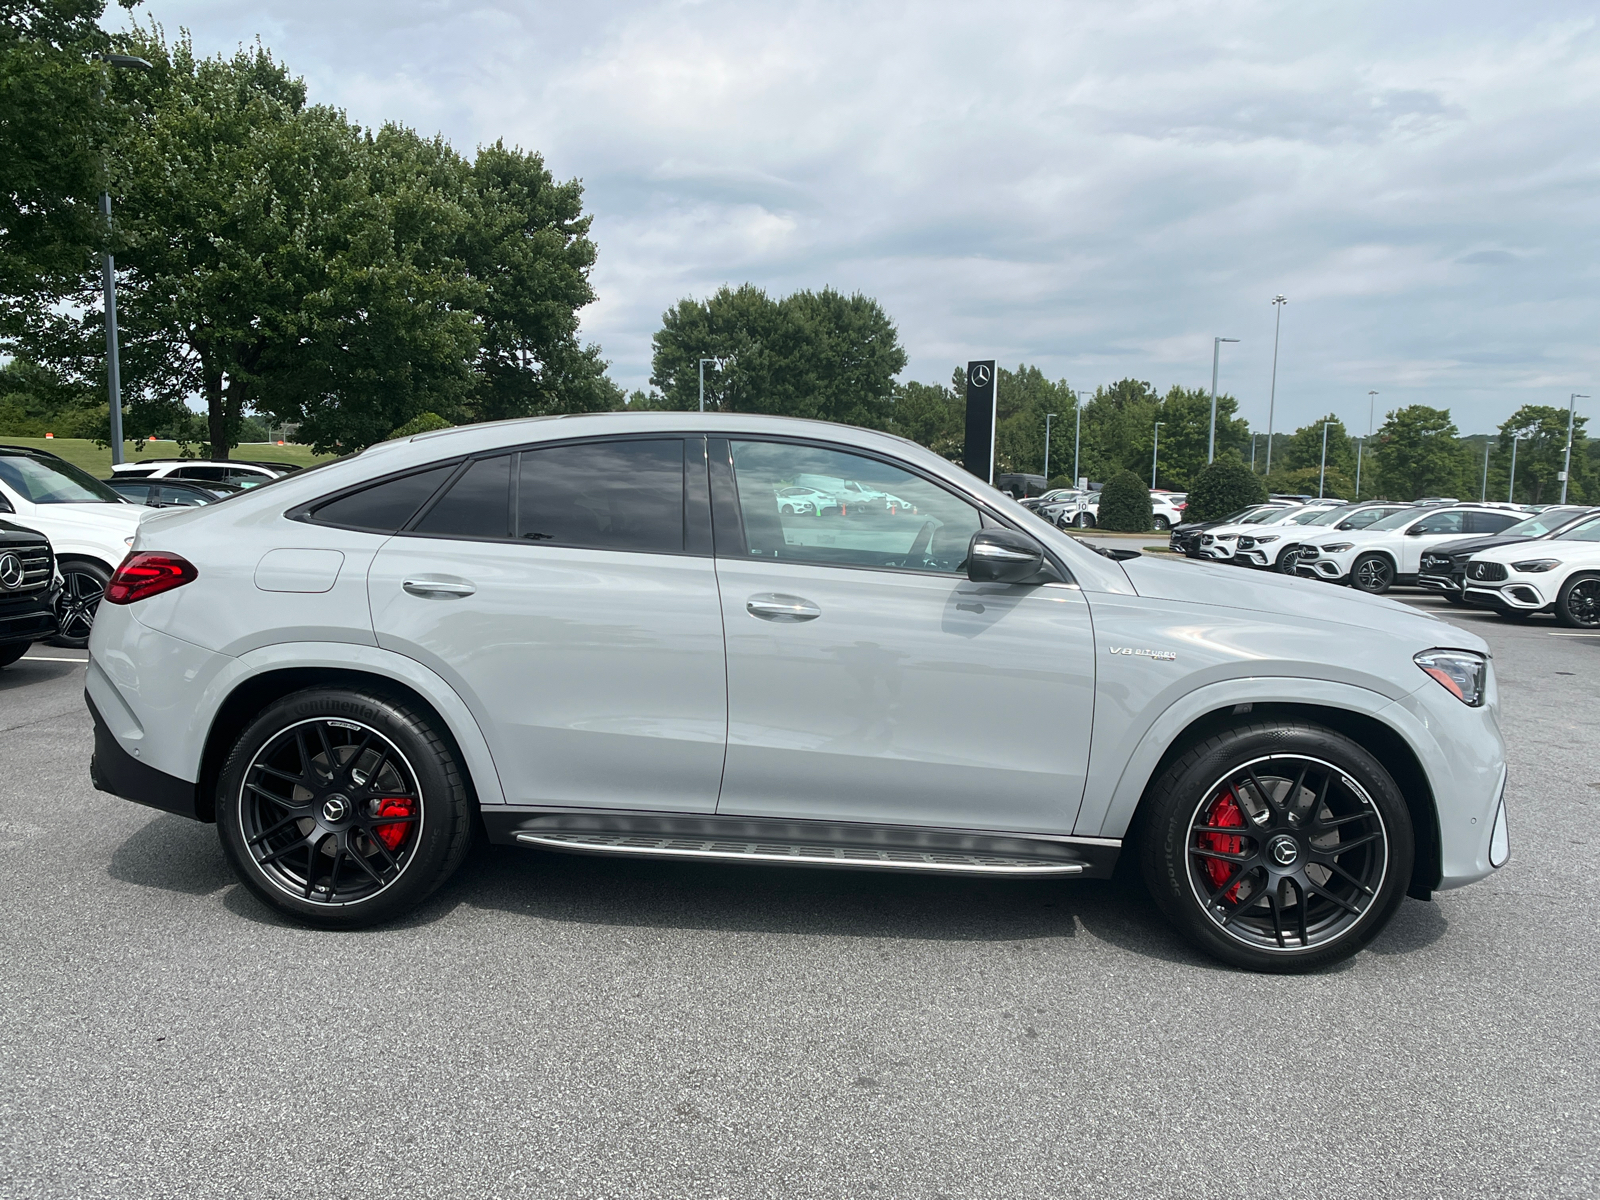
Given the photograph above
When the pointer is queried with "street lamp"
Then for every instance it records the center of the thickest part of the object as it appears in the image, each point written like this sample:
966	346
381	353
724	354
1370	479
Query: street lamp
1077	407
1154	452
1323	474
1511	488
1216	351
109	269
703	363
1277	307
1362	444
1483	493
1048	417
1566	467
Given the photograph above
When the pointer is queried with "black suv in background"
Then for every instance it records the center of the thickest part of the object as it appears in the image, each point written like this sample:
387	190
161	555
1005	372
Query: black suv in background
27	590
1444	568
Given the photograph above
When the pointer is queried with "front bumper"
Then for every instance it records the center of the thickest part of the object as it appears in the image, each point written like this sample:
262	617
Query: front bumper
30	620
1441	583
1511	596
1330	569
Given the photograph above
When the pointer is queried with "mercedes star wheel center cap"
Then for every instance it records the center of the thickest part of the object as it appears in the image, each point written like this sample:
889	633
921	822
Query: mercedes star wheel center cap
335	808
1284	850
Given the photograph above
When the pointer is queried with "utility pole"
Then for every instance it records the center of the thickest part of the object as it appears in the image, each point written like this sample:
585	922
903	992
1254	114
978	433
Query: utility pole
1277	307
1323	474
108	267
1048	417
1154	453
1362	445
1566	467
1216	351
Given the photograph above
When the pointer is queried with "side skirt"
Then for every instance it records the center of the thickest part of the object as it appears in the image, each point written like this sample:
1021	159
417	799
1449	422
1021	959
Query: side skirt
758	840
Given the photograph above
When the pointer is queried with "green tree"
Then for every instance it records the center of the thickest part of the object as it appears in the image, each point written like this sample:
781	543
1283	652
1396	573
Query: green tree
1125	504
1024	397
1225	486
931	416
1416	454
421	423
822	354
1303	448
1541	438
35	400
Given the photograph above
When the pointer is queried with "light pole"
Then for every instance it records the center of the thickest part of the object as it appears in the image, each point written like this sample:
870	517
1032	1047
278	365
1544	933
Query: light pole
109	270
703	363
1323	474
1216	352
1154	452
1077	407
1277	307
1483	494
1362	445
1566	467
1253	437
1048	417
1511	488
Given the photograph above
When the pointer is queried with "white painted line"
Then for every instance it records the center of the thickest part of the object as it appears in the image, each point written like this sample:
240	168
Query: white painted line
1573	633
51	658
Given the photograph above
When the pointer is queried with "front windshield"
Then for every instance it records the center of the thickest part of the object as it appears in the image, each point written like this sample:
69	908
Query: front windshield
1258	515
1584	531
48	481
1541	523
1328	516
1395	520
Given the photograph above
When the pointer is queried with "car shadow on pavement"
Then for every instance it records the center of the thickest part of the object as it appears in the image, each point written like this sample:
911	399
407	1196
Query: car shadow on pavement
182	856
25	672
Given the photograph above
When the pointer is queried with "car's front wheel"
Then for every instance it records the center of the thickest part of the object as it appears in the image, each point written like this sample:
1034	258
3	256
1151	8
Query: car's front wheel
1160	522
343	807
83	583
1372	573
1578	604
1286	561
1277	847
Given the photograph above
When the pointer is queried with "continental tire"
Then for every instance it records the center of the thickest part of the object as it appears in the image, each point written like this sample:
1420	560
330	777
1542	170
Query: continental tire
1276	847
343	807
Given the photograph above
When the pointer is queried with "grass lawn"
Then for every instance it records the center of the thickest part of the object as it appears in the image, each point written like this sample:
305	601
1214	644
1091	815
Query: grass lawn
96	459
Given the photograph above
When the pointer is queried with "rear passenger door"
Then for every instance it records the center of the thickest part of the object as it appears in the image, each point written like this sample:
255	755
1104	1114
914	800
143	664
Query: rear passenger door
567	592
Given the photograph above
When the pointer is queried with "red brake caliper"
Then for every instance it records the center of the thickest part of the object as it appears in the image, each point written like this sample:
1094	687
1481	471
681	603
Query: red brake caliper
1225	812
392	835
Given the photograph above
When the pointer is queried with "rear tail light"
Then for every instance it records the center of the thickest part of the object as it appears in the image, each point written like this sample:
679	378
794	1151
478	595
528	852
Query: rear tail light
144	574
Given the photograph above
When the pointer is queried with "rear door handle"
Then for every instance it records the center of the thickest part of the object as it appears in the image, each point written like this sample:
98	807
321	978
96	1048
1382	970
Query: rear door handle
777	606
438	587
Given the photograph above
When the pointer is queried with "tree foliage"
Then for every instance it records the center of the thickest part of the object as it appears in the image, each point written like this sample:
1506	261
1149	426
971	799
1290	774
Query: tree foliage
1416	454
1125	504
810	354
1225	486
1540	432
421	423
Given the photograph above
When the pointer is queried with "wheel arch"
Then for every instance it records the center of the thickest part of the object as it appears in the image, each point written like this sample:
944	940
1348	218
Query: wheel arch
1385	742
255	692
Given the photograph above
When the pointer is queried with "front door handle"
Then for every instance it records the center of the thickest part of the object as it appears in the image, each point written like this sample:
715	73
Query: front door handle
438	587
777	606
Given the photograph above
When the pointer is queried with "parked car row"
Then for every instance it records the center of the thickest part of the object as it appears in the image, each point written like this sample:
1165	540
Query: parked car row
1496	556
1076	508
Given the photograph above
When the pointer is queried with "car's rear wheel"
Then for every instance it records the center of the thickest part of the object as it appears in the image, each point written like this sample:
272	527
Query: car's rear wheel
1578	605
1372	573
1277	847
83	583
1161	523
343	807
1084	520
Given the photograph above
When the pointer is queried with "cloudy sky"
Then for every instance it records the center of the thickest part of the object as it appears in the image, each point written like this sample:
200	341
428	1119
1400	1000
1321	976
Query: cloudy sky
1098	188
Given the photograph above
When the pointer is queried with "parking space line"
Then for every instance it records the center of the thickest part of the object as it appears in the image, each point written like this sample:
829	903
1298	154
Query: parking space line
51	658
1571	633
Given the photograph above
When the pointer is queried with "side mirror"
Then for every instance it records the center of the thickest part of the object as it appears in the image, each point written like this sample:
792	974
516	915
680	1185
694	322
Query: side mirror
1416	531
1003	556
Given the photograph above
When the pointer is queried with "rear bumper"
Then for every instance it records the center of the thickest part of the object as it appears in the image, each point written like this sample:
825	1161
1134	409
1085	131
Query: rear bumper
113	770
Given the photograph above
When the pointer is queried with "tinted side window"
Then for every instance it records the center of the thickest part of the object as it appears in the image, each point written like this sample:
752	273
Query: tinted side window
137	493
214	473
1445	522
477	505
622	495
1361	520
384	507
867	513
1490	522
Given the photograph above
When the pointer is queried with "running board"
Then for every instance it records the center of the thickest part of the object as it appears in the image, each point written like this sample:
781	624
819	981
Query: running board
800	854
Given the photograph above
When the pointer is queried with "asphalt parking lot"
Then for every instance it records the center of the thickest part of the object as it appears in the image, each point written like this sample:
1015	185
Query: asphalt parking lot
577	1027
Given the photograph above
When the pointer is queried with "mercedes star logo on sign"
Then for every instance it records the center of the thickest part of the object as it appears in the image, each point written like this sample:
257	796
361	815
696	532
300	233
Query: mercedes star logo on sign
10	572
980	375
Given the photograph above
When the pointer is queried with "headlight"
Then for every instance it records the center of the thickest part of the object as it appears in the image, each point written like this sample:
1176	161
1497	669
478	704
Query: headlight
1338	547
1534	566
1459	672
1262	541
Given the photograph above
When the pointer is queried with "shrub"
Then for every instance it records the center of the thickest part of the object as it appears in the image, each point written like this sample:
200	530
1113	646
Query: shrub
421	423
1225	486
1125	504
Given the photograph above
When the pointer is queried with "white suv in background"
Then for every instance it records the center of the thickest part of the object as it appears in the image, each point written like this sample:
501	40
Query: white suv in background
1222	541
1389	551
90	528
1166	508
239	472
1277	548
1559	573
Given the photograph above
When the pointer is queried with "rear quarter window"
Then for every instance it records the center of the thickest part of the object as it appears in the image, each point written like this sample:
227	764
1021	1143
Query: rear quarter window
383	507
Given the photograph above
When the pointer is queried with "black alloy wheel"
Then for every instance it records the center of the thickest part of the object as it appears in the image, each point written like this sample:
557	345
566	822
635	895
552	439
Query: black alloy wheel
1278	848
1372	573
82	586
343	807
1578	605
1161	523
